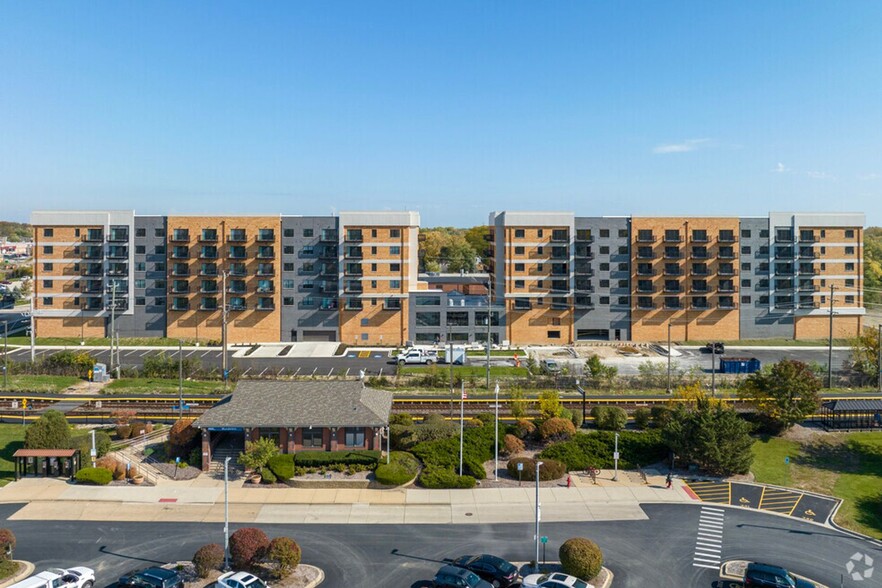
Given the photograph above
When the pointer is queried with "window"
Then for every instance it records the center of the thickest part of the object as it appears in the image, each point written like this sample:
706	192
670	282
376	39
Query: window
849	233
142	232
395	250
745	233
48	232
354	437
623	301
159	266
745	300
140	284
604	267
428	319
519	267
849	267
47	284
623	233
395	233
159	232
140	301
672	235
699	235
288	233
623	267
604	283
849	299
623	283
745	266
519	250
159	250
160	284
604	299
159	301
623	250
307	250
428	300
306	233
849	250
287	283
288	301
604	249
645	235
849	283
745	249
745	283
47	249
288	250
604	233
764	233
394	267
519	233
554	334
365	322
519	284
540	250
395	284
140	266
289	267
140	249
47	267
47	301
539	233
311	437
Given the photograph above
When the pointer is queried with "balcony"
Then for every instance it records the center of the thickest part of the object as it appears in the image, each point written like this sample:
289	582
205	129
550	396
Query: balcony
328	253
583	269
92	287
180	272
118	235
351	271
328	304
646	238
701	254
699	305
180	253
354	237
726	271
238	306
330	287
353	289
560	237
646	255
238	270
117	252
93	304
727	305
208	272
584	236
646	289
672	290
117	270
784	238
265	304
808	238
700	271
328	236
122	286
180	304
645	305
809	254
353	253
209	289
180	289
208	237
237	290
237	236
646	271
700	238
673	238
180	236
265	270
121	305
727	238
671	271
93	253
559	253
266	235
208	306
237	252
699	290
809	287
265	289
265	253
94	235
208	253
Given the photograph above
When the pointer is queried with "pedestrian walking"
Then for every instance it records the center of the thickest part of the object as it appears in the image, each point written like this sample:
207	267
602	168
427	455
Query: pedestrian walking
569	481
669	481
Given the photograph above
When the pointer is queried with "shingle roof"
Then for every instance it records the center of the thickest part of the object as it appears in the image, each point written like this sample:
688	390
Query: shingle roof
852	405
300	404
44	453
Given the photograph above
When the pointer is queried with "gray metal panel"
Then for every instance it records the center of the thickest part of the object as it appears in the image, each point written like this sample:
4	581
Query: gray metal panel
150	319
298	317
474	331
758	319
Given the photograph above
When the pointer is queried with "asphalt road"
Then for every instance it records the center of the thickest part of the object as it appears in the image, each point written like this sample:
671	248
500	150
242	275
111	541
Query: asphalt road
656	552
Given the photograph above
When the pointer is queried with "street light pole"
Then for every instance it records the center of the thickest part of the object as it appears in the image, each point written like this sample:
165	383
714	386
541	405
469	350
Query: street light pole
180	378
6	355
713	370
461	422
489	308
616	460
227	513
450	361
496	435
669	356
879	357
224	312
112	320
538	513
830	343
31	317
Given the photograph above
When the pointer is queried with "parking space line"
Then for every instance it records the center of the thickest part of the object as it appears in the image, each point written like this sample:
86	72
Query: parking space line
795	503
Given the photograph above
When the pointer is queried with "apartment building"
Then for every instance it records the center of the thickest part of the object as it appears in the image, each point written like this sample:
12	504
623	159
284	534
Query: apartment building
455	308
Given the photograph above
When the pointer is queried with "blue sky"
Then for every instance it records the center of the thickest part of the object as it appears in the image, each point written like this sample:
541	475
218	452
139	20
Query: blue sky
453	109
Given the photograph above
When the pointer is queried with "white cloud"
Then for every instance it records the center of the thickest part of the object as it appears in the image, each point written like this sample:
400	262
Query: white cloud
684	147
869	177
781	168
820	175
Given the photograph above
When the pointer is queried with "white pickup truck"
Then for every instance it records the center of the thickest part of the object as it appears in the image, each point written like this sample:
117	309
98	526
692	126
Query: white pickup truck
57	578
418	356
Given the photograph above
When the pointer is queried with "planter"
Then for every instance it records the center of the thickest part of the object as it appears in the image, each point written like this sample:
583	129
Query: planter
138	480
255	478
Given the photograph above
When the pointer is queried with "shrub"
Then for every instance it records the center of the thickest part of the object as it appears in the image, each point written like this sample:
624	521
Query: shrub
549	404
486	419
119	471
477	449
140	428
326	458
106	462
440	478
181	438
660	415
525	428
401	418
208	558
123	431
402	468
284	554
94	476
581	558
511	445
248	546
596	450
577	418
566	413
68	363
50	431
609	418
267	476
258	453
7	544
557	429
551	469
402	437
282	466
195	457
132	472
641	417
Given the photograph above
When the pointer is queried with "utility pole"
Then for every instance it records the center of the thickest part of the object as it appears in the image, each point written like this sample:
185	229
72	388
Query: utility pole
31	317
879	357
830	343
713	370
6	355
112	320
496	435
226	513
224	313
538	513
462	398
450	361
669	357
489	308
180	379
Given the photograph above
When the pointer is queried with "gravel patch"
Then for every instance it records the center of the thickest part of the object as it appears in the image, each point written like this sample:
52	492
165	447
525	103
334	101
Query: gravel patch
172	471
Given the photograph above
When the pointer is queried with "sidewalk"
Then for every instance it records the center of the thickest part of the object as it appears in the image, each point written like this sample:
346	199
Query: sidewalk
202	500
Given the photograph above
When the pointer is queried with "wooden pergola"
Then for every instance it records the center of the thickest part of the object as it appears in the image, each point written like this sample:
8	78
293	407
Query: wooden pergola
56	463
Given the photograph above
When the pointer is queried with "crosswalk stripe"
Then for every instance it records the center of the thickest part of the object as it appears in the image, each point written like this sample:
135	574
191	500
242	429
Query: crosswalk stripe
712	509
698	565
706	559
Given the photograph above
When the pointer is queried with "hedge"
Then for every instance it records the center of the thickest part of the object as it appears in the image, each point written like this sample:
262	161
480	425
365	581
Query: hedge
609	418
551	469
477	449
94	476
282	466
442	478
403	467
248	546
595	449
581	558
207	559
311	459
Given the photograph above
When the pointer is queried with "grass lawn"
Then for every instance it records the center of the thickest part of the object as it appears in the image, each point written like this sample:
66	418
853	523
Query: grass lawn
100	341
136	386
845	465
11	438
28	383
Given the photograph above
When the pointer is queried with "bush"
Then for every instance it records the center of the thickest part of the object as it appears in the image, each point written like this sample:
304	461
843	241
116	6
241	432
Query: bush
140	428
248	546
595	449
195	457
609	418
577	418
477	449
525	428
401	437
258	453
486	419
7	544
325	458
267	476
581	558
641	417
557	429
94	476
50	431
107	462
660	415
181	438
208	558
68	363
402	468
119	471
167	366
549	404
282	466
511	445
284	554
441	478
401	418
123	431
550	469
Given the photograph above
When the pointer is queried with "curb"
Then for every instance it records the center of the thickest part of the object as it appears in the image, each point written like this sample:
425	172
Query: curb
28	569
317	581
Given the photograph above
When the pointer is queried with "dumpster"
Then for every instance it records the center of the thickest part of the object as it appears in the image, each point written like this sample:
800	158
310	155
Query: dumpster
739	365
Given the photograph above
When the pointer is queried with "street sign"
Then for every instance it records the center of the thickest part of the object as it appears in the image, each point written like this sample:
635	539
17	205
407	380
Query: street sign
616	455
543	539
786	460
177	460
520	466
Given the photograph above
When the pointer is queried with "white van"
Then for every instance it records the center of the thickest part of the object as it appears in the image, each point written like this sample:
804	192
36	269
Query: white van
58	578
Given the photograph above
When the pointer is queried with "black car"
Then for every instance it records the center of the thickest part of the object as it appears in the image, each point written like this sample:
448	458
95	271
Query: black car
716	347
494	569
455	577
152	578
760	574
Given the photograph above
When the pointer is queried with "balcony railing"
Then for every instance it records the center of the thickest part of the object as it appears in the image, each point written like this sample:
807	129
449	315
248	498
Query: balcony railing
354	237
237	237
266	236
180	237
700	238
726	271
673	239
208	237
266	306
180	254
93	253
646	272
328	236
646	255
237	290
180	272
673	272
646	290
118	236
180	289
727	238
208	272
646	238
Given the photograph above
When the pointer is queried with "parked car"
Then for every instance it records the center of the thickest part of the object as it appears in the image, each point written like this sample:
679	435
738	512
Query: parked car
456	577
549	366
555	580
419	356
494	569
152	578
760	574
716	347
58	578
240	580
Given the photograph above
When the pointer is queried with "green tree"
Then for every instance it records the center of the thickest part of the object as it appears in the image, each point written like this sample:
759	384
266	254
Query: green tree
258	453
50	431
865	356
475	236
784	394
602	376
873	265
516	405
549	404
711	435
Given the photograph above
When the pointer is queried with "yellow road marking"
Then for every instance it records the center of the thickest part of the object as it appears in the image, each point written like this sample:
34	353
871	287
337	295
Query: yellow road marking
762	495
795	503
